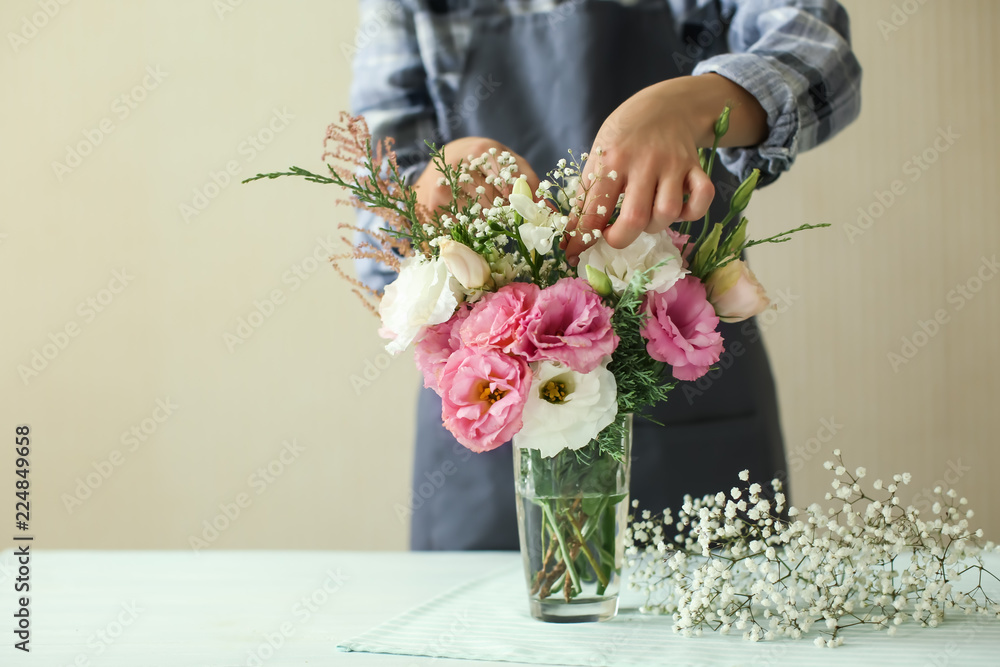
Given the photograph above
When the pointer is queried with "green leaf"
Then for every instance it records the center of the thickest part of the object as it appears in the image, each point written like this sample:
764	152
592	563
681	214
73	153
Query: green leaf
592	505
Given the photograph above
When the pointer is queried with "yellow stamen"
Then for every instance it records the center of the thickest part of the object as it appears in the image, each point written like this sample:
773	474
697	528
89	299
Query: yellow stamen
554	392
492	396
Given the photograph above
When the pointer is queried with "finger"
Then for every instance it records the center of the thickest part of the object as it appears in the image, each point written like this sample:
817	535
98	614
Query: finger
702	192
669	204
636	211
601	197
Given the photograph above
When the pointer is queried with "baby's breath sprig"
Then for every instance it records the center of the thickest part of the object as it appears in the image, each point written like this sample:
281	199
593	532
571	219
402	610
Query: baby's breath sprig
740	563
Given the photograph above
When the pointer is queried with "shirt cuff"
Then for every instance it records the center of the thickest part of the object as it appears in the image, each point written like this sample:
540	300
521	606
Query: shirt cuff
761	77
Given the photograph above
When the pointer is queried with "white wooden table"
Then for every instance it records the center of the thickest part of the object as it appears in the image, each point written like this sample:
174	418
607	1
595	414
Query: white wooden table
222	608
264	608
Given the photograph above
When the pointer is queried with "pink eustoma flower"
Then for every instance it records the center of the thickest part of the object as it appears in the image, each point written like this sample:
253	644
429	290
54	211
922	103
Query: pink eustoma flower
681	329
483	393
497	319
569	324
436	344
680	240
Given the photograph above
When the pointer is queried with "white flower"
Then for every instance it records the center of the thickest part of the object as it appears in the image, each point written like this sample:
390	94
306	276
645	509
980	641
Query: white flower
537	239
644	253
568	190
539	226
470	269
422	295
566	409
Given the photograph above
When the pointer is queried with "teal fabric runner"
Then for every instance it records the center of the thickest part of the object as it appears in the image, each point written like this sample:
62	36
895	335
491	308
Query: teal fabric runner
488	619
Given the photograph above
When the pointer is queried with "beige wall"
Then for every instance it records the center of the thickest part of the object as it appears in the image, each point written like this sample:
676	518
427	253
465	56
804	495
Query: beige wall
159	335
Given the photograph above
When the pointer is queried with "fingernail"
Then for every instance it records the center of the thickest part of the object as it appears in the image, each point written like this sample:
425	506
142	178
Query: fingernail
573	261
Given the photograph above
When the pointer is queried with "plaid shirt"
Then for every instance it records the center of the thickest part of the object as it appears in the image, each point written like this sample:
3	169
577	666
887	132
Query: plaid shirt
794	56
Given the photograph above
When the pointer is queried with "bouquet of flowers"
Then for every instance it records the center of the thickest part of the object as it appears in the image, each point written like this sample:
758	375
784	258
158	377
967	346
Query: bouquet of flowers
522	346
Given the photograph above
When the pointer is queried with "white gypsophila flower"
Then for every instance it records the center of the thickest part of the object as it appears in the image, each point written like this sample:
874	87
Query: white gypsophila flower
422	295
569	188
539	226
566	409
809	572
644	253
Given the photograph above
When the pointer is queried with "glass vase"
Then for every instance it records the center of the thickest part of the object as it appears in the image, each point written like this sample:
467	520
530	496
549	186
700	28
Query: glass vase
571	511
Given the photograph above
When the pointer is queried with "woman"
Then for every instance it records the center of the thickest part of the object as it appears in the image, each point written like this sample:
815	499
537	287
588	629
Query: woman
644	80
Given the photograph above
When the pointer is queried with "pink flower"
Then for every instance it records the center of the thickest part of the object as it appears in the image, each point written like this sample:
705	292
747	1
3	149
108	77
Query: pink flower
680	329
679	240
436	344
483	393
570	324
497	319
735	292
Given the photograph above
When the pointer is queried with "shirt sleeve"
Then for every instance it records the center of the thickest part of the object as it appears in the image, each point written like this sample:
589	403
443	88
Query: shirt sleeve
389	89
795	57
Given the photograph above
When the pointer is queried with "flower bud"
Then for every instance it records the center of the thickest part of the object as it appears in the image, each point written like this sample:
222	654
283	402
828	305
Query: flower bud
599	281
722	123
707	250
521	187
741	198
735	293
467	266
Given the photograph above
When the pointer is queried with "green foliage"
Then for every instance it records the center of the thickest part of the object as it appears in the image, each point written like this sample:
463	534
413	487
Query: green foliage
639	377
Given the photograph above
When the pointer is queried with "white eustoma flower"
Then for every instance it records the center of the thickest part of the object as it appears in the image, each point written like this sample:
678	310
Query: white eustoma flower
566	409
538	228
422	295
644	253
470	269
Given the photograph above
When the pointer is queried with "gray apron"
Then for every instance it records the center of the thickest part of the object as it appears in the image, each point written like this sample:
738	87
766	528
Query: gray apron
542	82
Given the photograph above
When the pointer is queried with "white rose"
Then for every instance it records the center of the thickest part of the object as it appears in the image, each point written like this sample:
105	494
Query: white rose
566	409
644	253
422	295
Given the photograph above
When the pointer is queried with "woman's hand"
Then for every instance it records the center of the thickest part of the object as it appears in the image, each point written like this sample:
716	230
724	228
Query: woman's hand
649	151
433	196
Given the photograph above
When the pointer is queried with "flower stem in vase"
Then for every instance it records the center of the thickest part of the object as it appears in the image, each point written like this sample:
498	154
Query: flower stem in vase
571	513
566	561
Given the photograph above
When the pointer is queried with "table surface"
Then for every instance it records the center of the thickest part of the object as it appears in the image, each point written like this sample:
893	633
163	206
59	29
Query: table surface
229	608
222	608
